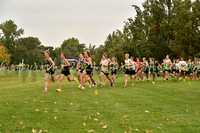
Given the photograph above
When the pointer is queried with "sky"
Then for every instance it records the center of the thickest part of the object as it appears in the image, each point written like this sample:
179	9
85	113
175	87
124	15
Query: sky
54	21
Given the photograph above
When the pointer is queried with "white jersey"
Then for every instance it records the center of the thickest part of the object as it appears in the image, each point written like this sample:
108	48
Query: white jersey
177	66
133	66
182	63
167	61
127	61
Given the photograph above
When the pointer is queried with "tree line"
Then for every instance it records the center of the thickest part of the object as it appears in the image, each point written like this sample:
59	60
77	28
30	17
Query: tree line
160	28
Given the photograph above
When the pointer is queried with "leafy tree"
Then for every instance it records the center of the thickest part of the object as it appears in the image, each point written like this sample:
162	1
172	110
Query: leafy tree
4	56
10	33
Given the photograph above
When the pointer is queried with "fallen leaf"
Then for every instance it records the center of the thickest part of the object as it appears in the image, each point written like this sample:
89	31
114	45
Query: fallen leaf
56	110
121	122
101	123
21	122
146	111
84	124
45	111
136	129
163	117
55	117
149	131
34	130
6	124
104	126
159	128
37	110
85	117
13	116
89	117
130	128
71	103
17	120
23	127
40	131
98	113
90	131
34	100
187	110
130	131
125	126
96	92
187	105
95	119
0	125
54	102
45	131
126	116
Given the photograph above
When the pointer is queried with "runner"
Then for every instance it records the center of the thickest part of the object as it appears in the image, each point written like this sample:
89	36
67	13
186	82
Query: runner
113	66
65	72
49	69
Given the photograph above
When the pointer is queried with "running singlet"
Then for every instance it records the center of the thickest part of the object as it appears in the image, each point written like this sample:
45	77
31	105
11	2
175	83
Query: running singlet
47	63
163	67
177	66
104	68
196	66
113	66
81	64
64	68
139	65
87	66
182	64
144	67
190	67
167	67
133	67
127	62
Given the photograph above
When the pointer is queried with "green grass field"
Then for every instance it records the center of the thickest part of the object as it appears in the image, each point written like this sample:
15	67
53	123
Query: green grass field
171	107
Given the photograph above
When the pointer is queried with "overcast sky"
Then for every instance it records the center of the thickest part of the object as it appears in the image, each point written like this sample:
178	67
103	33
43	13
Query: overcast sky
53	21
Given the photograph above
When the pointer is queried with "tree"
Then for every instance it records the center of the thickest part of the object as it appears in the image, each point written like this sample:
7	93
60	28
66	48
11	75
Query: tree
4	56
29	49
10	34
72	47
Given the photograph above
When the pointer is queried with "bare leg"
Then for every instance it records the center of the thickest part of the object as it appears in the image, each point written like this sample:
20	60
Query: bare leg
93	81
70	79
61	79
113	78
54	78
100	77
46	79
83	79
108	78
126	76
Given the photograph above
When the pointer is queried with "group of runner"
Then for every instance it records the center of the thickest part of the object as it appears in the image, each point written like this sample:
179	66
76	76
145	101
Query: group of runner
137	70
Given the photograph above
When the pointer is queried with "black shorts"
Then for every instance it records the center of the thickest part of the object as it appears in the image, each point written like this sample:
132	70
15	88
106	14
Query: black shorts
65	72
145	71
173	70
105	73
114	72
132	72
127	71
81	70
177	71
88	71
50	72
167	70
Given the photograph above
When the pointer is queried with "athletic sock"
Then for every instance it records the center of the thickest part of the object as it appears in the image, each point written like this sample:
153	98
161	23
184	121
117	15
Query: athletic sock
46	89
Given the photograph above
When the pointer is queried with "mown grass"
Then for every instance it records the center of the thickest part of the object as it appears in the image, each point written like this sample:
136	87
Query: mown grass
171	107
